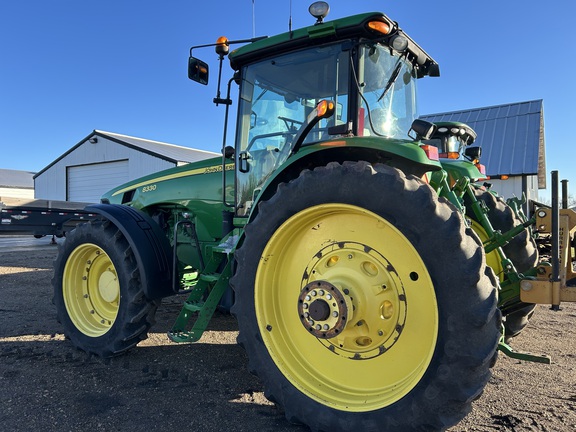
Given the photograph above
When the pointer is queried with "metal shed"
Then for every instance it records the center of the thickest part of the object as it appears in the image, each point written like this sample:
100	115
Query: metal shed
16	184
103	160
512	141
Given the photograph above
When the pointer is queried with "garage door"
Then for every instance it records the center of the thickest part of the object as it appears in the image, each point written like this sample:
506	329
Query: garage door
86	183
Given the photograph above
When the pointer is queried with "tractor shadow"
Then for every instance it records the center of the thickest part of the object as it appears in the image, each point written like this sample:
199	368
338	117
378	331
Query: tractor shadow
158	385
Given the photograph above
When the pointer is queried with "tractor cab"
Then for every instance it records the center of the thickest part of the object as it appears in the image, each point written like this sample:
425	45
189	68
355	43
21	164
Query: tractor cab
458	158
453	140
363	68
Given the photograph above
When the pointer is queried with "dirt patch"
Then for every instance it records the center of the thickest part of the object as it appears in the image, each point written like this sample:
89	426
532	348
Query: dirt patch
46	383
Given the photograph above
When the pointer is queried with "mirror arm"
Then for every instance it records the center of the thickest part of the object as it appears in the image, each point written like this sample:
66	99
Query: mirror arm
229	43
218	100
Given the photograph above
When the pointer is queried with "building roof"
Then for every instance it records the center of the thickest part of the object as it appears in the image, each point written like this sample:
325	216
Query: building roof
511	137
169	152
16	179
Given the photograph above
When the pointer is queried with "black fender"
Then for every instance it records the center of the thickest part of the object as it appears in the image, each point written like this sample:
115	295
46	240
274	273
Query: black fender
150	245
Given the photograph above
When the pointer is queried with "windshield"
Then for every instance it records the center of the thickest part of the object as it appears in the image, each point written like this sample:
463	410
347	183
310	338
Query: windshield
387	86
278	94
449	146
276	97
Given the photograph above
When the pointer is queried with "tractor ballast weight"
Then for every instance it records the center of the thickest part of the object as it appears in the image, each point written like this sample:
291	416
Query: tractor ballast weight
325	218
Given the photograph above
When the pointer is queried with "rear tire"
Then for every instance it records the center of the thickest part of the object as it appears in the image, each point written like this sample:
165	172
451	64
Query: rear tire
420	325
97	291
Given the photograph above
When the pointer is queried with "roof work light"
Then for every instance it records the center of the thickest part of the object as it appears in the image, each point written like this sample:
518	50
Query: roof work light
319	10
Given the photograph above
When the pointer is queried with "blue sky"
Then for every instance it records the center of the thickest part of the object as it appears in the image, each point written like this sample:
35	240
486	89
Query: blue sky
71	66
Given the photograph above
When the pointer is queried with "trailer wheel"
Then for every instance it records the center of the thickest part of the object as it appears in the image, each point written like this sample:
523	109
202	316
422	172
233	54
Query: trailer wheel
97	291
521	250
364	303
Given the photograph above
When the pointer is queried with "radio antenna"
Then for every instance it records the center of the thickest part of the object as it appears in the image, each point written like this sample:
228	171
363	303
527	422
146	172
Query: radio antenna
290	19
253	20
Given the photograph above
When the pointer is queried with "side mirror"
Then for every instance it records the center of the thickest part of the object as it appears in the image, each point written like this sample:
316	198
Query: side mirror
422	129
197	70
473	153
229	152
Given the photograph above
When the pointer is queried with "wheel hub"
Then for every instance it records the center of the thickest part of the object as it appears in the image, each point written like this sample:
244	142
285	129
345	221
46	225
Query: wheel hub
361	312
319	310
108	286
323	309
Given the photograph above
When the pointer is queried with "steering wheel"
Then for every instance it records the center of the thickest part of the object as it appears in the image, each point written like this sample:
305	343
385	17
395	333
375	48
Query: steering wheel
291	123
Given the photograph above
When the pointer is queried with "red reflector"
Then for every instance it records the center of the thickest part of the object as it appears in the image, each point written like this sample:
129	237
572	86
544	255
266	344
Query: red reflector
361	113
431	151
481	168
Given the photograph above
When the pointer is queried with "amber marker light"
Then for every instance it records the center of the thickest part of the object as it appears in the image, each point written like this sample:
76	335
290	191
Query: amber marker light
222	46
496	177
379	26
453	155
325	109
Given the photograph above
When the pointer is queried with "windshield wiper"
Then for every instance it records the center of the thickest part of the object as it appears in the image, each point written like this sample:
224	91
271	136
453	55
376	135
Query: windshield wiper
392	79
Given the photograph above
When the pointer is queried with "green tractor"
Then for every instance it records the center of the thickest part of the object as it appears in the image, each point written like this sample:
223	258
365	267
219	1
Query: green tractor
361	291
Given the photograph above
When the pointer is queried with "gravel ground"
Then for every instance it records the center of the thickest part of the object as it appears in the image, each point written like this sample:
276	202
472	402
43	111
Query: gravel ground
46	384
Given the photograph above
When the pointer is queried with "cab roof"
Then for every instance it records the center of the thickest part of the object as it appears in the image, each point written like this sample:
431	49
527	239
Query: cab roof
355	26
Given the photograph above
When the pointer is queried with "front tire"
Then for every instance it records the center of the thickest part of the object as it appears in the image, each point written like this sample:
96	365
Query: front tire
364	303
97	291
521	250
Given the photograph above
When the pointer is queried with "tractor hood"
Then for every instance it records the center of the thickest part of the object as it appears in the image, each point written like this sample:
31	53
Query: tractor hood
175	179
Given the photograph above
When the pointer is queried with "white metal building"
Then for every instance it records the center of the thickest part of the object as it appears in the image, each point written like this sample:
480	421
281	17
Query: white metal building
104	160
16	184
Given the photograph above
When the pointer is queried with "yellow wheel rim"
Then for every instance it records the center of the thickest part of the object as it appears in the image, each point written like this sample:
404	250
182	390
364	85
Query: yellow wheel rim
493	258
91	290
346	307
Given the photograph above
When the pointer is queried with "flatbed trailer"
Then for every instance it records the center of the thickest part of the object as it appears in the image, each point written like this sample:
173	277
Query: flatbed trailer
40	217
